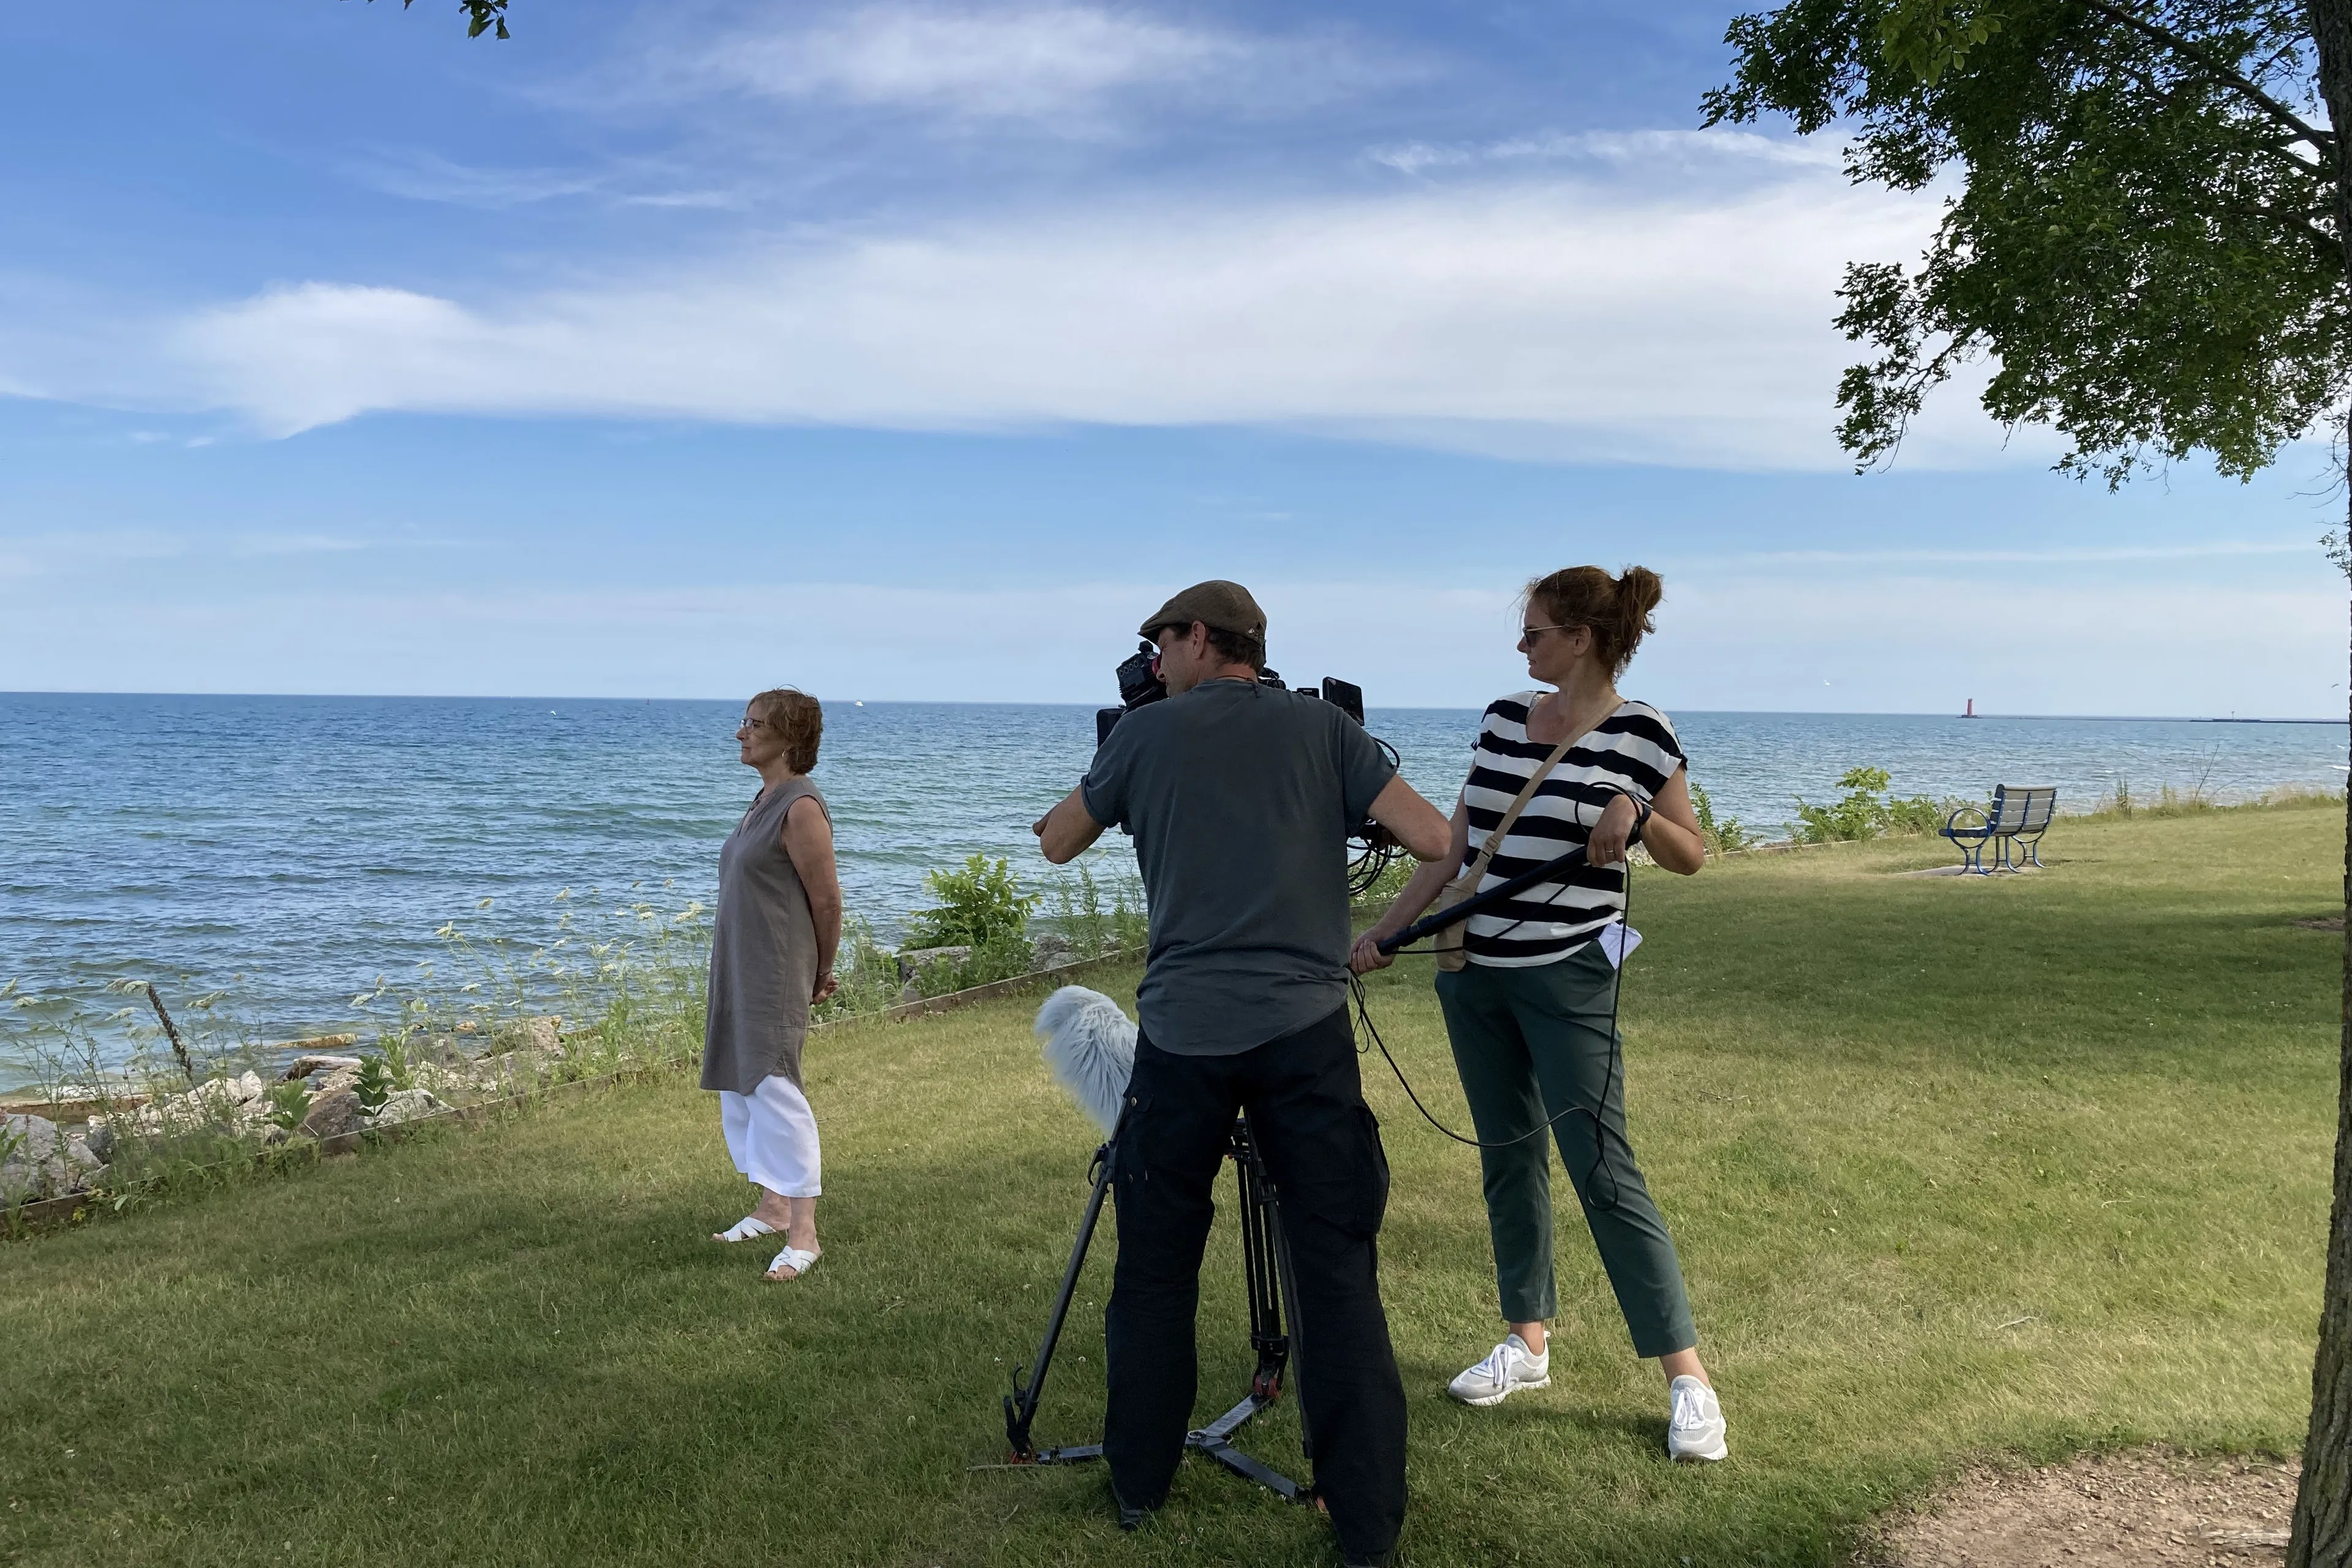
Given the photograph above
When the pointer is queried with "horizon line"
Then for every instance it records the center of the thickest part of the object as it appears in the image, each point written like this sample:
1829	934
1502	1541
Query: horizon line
1370	707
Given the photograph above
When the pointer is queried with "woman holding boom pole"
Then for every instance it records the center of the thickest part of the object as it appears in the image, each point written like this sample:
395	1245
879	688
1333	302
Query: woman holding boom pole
1528	988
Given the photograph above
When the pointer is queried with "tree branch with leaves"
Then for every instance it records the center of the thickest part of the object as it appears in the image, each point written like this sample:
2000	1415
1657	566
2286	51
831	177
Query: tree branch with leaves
481	17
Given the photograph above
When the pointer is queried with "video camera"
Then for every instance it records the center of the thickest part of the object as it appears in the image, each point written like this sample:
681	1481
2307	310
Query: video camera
1139	684
1372	846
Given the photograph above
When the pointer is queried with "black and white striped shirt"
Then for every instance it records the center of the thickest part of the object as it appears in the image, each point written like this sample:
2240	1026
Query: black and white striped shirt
1634	749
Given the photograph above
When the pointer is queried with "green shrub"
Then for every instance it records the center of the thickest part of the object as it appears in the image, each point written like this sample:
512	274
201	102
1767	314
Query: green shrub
1917	815
1003	955
289	1104
1866	811
375	1085
1720	834
981	903
1859	813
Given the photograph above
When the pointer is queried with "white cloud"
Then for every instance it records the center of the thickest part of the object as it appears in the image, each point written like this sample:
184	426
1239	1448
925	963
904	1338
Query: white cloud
1064	65
1544	319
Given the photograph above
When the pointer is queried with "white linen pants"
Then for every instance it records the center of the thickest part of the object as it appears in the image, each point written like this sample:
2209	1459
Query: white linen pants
771	1137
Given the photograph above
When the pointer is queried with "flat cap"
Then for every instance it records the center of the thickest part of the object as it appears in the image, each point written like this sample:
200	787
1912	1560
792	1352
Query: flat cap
1217	604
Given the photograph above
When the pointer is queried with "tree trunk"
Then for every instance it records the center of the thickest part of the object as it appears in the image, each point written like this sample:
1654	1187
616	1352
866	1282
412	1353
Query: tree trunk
2322	1503
2322	1537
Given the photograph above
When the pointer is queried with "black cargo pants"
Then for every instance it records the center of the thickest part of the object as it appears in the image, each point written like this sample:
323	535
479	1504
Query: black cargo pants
1322	1149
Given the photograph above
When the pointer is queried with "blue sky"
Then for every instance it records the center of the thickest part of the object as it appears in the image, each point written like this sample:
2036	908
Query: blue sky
915	350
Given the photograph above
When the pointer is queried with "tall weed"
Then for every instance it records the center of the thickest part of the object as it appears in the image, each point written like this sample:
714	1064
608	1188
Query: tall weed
1091	927
1720	834
866	974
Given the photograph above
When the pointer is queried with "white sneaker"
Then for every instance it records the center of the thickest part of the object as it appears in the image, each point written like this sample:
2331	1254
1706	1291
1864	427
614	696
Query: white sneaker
1511	1367
1695	1431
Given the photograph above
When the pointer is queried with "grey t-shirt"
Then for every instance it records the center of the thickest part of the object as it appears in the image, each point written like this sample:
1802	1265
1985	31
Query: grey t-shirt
1240	797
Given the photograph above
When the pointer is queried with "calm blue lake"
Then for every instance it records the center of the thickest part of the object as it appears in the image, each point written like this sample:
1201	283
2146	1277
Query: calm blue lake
292	848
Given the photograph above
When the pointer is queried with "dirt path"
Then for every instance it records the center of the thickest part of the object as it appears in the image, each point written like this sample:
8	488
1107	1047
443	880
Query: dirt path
2115	1510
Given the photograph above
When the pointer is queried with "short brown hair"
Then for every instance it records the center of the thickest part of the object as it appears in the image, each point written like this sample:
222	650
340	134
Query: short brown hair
1238	648
1616	608
798	721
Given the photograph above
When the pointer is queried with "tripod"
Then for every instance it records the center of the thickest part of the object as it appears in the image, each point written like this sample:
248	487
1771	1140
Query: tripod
1268	1280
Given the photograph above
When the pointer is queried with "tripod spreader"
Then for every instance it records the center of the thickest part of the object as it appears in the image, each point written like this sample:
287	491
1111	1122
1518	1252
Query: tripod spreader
1267	1282
1479	903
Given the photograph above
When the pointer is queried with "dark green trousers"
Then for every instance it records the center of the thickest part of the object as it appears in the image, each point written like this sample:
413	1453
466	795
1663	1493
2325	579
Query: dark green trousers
1531	1043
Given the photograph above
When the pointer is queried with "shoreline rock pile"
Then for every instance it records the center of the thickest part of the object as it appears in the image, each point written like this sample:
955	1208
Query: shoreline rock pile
43	1157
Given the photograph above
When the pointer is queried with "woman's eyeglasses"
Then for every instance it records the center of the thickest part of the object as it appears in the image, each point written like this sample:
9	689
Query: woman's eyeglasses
1530	633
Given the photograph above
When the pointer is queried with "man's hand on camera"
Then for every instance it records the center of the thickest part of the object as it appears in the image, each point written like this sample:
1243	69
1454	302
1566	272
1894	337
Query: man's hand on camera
826	986
1367	956
1607	844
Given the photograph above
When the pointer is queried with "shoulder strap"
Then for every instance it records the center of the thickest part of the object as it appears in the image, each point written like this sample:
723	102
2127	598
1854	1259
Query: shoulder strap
1526	793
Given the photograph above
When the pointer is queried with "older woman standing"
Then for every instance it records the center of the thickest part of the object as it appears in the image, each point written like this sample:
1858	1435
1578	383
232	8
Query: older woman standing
1532	1013
771	953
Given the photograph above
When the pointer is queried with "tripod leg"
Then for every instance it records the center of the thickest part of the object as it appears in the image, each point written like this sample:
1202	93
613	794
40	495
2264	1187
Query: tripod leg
1021	1404
1260	1276
1286	1277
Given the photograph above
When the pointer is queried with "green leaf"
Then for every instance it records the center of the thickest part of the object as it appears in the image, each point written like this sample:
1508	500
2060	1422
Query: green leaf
2139	233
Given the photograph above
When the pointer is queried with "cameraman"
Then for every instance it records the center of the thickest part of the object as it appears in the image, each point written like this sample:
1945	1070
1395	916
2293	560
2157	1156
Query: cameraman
1240	797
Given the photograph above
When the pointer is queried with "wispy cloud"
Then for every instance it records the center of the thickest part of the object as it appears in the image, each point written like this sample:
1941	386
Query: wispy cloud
1067	65
301	544
1546	319
103	552
1716	149
426	177
638	183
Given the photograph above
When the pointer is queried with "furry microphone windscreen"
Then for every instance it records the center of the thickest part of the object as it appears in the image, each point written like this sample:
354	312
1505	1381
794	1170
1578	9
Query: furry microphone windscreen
1089	1048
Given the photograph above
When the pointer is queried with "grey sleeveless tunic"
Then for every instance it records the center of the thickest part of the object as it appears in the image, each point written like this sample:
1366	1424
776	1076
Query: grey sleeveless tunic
762	951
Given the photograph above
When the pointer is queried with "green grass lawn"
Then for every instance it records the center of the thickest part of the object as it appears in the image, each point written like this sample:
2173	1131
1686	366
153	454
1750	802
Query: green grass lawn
1956	1168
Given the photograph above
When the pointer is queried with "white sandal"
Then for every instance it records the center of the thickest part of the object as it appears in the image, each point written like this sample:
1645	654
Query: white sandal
750	1227
792	1257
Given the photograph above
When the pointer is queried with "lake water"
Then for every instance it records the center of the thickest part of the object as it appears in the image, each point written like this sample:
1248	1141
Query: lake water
291	849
